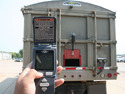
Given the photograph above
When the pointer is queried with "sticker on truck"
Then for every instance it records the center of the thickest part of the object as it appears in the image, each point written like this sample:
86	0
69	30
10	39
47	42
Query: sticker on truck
71	3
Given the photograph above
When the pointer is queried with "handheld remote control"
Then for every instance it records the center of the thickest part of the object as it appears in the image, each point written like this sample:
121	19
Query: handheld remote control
44	53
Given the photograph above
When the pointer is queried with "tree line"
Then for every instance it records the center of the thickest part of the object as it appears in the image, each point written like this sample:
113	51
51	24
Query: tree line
17	55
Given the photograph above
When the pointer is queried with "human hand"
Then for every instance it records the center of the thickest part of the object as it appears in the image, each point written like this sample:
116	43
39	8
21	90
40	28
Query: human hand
25	83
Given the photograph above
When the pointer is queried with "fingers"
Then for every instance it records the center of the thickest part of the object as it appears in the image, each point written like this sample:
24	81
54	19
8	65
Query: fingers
28	69
29	65
28	80
57	62
59	69
59	82
25	71
30	76
33	74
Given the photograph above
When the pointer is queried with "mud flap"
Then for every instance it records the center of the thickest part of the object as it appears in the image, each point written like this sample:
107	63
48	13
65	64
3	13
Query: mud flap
98	87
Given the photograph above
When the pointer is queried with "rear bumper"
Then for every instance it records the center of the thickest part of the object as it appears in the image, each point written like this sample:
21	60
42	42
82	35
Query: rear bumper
85	75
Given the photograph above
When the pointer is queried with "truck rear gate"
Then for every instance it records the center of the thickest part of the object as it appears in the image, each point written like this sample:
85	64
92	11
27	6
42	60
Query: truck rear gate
86	42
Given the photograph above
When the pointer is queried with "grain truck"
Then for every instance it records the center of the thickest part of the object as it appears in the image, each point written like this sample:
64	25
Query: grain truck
86	43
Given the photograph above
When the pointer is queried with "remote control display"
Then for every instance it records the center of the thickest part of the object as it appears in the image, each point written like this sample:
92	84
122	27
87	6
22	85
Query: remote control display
44	60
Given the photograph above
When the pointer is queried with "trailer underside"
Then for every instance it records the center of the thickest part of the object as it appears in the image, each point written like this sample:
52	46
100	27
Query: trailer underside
90	87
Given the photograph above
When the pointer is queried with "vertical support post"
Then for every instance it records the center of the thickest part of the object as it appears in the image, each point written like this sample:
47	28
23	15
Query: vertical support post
89	45
112	45
27	56
95	25
60	54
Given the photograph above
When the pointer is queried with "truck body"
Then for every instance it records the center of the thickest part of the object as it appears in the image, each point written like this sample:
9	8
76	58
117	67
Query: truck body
86	42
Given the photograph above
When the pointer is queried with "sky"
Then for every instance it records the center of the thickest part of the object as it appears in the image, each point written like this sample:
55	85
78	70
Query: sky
12	22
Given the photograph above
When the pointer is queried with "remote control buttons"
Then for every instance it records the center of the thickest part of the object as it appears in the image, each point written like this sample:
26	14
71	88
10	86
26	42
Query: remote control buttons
44	80
44	89
49	73
44	84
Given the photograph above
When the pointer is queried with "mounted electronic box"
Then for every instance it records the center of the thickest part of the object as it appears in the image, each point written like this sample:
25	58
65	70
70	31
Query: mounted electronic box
44	53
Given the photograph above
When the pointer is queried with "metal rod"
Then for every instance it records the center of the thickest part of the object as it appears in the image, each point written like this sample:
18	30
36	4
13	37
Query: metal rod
104	42
60	37
95	39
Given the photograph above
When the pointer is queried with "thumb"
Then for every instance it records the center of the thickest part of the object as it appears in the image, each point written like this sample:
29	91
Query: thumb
33	74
